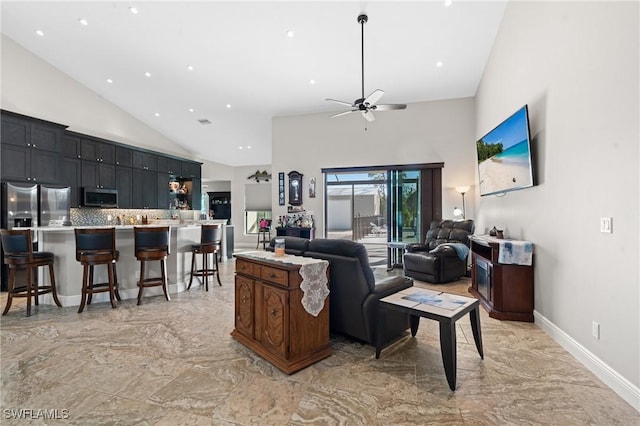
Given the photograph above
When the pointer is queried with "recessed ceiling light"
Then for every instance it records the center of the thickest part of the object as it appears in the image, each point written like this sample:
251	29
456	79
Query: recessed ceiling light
447	3
249	147
109	81
133	10
83	22
439	64
240	147
191	110
40	33
147	74
312	81
228	105
290	34
190	67
157	114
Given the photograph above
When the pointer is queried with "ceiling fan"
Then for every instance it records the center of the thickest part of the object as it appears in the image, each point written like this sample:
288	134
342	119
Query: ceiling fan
369	104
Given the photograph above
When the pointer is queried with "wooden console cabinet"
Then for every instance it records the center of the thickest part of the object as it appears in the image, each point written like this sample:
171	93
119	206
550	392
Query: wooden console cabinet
270	318
505	291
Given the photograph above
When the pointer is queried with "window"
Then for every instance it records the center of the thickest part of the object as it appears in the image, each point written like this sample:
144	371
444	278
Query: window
257	205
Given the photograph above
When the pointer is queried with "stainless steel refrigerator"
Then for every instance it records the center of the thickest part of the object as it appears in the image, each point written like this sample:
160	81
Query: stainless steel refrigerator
26	205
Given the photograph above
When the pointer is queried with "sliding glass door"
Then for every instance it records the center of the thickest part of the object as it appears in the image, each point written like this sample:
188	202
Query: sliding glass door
374	207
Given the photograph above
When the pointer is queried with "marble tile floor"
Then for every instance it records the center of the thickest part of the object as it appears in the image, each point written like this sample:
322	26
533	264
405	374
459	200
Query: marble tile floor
171	363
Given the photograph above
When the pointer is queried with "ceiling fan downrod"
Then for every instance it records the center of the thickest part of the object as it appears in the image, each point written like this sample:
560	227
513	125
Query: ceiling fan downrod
362	19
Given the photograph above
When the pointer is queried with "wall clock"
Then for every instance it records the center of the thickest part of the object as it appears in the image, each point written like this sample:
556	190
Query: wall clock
295	188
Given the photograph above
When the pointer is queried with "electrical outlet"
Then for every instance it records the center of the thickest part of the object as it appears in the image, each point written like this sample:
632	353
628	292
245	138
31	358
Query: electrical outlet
109	217
606	225
595	330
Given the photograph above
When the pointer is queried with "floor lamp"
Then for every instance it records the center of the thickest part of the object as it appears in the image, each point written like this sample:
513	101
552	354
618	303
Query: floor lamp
462	190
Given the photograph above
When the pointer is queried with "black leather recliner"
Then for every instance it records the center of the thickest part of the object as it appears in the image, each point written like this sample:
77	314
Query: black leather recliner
354	290
437	260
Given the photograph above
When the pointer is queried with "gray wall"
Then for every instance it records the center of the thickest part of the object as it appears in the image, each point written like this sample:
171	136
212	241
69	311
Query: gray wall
576	65
426	132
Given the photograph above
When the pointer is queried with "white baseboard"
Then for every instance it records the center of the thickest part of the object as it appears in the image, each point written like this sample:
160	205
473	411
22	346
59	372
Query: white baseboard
620	385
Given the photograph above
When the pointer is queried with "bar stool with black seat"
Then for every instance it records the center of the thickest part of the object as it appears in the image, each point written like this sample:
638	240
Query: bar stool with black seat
152	244
95	247
19	254
210	243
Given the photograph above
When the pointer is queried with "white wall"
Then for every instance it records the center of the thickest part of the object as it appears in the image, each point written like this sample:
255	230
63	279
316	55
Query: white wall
32	87
426	132
576	65
238	183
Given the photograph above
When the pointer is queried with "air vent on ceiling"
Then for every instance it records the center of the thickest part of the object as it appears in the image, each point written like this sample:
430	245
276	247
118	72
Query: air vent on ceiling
204	121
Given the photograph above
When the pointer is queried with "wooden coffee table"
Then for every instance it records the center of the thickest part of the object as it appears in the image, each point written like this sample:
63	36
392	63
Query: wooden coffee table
443	307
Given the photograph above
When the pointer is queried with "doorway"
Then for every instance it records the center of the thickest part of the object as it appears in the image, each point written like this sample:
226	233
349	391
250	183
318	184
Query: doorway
379	205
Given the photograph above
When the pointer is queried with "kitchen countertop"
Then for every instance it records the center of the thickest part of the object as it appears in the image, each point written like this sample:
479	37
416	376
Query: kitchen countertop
172	224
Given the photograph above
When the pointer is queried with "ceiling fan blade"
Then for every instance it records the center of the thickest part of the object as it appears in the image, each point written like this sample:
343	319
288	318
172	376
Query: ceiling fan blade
374	97
368	115
340	102
343	113
388	107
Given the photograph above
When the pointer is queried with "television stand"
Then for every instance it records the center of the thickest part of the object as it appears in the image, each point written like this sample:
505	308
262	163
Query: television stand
504	290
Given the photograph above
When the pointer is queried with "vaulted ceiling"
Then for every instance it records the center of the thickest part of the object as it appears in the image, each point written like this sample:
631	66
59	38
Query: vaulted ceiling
237	64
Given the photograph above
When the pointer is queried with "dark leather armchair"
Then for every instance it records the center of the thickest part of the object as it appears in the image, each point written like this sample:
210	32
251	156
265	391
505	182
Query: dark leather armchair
441	258
355	292
354	289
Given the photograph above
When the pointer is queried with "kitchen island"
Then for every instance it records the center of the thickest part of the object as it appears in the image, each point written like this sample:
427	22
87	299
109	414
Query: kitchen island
68	271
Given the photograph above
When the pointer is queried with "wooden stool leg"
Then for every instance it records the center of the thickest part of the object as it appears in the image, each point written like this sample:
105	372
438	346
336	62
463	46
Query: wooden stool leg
115	282
141	282
90	285
35	288
163	266
29	291
111	285
205	270
85	287
54	293
193	265
215	255
12	286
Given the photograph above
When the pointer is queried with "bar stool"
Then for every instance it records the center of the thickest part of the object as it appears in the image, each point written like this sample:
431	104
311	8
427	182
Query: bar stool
210	243
97	246
264	233
152	244
19	254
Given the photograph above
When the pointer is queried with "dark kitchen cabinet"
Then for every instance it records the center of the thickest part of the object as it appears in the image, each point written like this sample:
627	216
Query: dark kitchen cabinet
30	165
124	185
196	193
124	156
169	165
31	149
72	176
190	169
163	190
71	146
98	175
100	152
145	161
143	195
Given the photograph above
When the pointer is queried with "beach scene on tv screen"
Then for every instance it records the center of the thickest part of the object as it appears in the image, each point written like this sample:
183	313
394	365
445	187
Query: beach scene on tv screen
504	161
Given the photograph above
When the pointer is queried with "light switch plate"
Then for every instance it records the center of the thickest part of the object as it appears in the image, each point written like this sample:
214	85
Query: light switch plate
606	225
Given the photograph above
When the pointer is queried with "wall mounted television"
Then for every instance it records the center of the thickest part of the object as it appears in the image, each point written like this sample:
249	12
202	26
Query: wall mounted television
504	156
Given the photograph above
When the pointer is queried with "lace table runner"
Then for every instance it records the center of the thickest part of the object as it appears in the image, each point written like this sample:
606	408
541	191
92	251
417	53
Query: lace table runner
314	278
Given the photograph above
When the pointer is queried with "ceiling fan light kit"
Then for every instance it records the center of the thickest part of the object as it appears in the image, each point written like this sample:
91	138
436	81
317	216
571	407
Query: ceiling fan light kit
369	104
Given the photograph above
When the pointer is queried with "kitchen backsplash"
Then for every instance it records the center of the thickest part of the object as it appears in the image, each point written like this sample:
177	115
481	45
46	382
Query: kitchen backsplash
106	217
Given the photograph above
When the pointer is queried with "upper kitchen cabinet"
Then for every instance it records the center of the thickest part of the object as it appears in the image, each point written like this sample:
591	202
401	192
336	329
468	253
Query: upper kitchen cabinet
170	166
145	161
31	149
100	152
191	169
124	156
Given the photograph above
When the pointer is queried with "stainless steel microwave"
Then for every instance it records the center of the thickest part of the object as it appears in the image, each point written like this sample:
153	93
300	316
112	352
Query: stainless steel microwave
100	197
